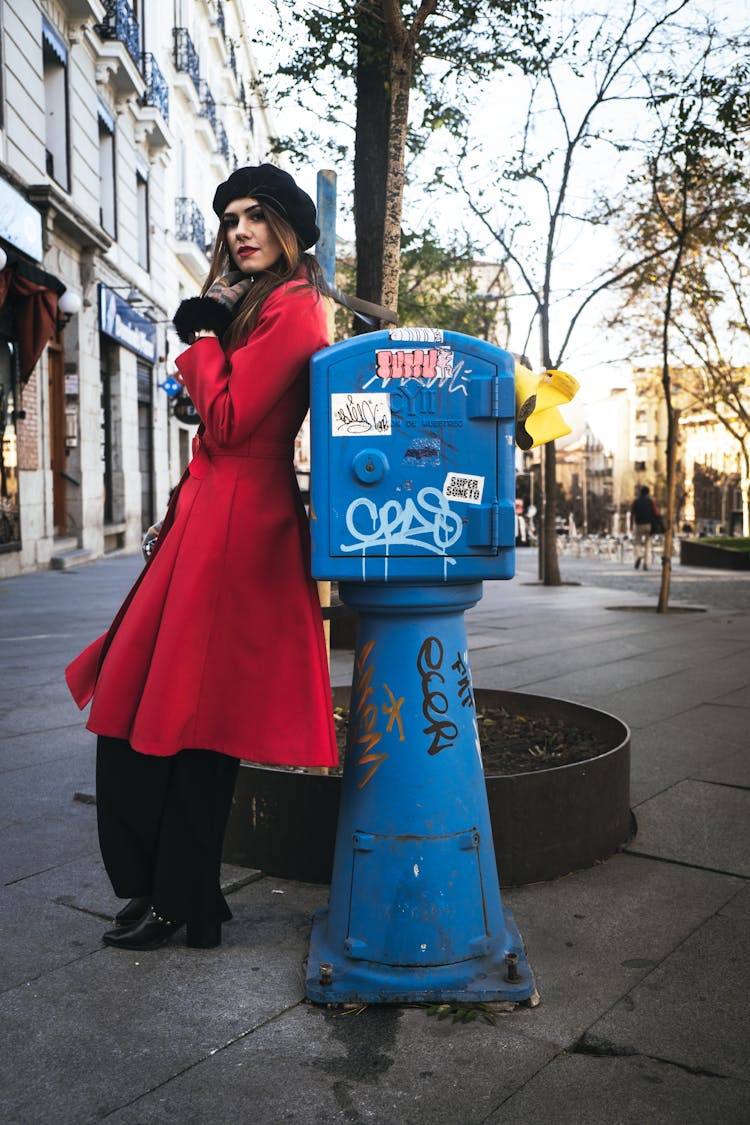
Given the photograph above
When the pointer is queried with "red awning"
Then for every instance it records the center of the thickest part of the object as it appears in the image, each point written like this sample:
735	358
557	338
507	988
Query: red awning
31	296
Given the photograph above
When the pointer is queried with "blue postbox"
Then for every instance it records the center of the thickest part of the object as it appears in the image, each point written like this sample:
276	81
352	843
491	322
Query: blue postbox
413	441
412	505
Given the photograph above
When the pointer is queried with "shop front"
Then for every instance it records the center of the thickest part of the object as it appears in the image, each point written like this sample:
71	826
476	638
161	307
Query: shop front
29	299
128	353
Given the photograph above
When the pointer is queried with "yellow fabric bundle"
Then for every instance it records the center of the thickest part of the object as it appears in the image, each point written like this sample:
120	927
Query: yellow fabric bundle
538	397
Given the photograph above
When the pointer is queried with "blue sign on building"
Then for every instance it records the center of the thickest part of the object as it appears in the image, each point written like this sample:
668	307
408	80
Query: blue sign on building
123	323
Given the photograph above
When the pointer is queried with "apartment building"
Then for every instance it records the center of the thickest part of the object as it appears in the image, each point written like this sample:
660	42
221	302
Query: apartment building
117	120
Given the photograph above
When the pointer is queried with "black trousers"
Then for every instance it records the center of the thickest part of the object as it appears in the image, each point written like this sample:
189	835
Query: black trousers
161	827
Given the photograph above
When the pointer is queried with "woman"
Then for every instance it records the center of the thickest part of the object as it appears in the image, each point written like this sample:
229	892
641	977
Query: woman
217	653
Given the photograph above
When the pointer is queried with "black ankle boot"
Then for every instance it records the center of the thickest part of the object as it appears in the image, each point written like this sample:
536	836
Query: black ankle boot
204	935
133	912
149	933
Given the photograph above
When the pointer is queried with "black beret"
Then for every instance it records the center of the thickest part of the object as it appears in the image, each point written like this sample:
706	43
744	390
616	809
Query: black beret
276	187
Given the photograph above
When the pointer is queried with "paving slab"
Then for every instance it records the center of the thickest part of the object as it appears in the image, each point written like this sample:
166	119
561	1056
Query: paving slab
38	844
59	916
729	769
739	904
48	786
92	1035
708	741
583	1090
593	935
30	749
686	1011
82	884
671	695
699	823
40	936
381	1065
740	698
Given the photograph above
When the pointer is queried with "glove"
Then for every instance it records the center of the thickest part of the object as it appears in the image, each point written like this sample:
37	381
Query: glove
216	310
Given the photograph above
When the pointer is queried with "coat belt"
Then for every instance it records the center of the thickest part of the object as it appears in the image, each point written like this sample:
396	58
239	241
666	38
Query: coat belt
262	450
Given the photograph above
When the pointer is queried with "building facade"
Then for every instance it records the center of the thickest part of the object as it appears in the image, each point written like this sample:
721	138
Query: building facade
625	448
117	121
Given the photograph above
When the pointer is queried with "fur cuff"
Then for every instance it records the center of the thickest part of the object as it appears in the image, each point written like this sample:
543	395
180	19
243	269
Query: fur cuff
198	313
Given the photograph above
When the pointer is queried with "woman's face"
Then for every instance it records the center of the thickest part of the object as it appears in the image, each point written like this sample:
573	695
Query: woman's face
252	244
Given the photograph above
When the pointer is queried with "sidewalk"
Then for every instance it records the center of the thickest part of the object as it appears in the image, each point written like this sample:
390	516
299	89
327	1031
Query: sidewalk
641	961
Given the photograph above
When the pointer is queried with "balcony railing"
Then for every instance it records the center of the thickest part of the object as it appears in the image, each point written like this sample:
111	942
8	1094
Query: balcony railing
208	105
186	56
223	139
189	221
120	23
157	91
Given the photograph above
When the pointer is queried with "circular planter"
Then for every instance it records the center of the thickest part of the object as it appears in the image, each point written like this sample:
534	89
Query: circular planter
545	823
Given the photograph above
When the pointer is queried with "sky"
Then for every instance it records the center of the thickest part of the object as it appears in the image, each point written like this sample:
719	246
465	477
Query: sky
597	360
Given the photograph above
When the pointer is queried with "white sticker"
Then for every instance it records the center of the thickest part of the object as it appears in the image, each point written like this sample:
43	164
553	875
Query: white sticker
358	415
464	487
424	335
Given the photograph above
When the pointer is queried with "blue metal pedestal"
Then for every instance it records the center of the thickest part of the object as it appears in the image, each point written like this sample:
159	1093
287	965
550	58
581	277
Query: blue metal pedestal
415	912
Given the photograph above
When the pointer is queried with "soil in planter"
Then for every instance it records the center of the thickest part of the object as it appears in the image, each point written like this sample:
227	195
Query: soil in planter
513	743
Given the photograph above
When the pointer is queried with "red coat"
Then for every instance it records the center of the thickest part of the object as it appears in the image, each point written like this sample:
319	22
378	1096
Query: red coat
219	644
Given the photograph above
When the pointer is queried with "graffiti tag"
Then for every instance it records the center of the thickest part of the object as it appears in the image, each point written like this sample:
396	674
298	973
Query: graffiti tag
430	366
365	718
428	524
461	666
443	731
357	415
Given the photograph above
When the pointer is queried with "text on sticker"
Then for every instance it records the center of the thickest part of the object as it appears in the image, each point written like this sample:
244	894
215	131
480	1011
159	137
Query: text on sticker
464	487
358	415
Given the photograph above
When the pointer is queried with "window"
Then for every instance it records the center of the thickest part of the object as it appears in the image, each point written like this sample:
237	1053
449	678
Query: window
107	195
141	202
55	63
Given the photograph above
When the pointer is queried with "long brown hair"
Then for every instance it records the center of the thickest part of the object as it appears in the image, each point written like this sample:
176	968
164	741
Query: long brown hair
284	269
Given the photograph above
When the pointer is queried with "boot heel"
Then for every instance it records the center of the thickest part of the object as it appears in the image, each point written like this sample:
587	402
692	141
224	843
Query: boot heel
203	935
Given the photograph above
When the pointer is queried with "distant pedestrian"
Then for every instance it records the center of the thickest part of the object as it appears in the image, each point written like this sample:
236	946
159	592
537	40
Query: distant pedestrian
645	519
217	653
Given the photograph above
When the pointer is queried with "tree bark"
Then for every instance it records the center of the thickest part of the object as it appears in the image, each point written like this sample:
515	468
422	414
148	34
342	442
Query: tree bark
370	169
400	90
666	562
403	44
551	564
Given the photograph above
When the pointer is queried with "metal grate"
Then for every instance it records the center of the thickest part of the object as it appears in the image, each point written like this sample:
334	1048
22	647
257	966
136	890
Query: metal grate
221	136
208	105
157	91
191	226
186	56
120	23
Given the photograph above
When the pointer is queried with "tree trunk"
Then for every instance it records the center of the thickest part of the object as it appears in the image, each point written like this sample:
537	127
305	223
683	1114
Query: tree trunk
403	44
669	519
401	61
551	566
370	169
